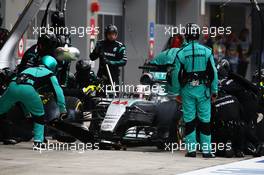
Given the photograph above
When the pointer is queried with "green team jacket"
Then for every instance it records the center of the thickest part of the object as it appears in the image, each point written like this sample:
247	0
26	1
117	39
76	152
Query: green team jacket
202	55
47	80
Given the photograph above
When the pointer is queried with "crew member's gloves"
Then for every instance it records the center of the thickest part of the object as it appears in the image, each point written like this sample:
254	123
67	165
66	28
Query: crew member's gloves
97	48
63	116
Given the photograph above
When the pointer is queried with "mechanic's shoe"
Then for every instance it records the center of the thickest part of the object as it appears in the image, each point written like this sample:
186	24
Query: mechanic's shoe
190	154
208	155
250	149
45	140
259	151
229	153
239	153
39	146
9	142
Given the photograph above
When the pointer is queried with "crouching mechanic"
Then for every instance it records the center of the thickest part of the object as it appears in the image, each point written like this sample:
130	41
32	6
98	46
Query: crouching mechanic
110	52
24	89
195	83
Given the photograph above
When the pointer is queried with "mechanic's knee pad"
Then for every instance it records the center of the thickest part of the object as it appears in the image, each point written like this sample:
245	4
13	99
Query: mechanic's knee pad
205	128
190	127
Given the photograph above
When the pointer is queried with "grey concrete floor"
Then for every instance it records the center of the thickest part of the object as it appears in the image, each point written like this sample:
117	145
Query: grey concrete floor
21	159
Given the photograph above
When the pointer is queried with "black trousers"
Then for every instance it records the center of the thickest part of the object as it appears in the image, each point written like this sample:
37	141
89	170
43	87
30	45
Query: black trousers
5	129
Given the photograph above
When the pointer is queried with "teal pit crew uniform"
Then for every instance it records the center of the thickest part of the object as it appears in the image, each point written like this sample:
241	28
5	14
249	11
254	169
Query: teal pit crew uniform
195	80
24	89
165	58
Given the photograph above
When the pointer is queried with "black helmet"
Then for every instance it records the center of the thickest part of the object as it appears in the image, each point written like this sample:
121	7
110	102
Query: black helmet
83	65
47	43
57	19
223	68
192	32
111	28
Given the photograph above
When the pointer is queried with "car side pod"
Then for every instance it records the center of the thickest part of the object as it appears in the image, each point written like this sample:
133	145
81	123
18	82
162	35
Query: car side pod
73	129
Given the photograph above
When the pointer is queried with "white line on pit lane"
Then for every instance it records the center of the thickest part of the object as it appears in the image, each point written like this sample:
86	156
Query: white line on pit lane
246	167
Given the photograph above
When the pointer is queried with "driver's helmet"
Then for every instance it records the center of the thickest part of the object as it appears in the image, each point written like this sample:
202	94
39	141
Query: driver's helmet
83	65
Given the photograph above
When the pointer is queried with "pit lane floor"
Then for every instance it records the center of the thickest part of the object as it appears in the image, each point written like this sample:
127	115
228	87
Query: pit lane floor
21	159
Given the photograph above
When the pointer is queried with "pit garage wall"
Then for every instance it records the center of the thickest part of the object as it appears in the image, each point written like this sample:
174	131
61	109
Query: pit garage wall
139	13
78	16
112	7
13	9
161	38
